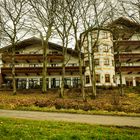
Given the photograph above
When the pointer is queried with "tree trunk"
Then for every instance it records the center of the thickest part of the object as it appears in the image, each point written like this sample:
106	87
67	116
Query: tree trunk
121	85
93	76
13	70
44	71
63	68
120	74
93	79
62	82
121	90
81	77
45	45
93	73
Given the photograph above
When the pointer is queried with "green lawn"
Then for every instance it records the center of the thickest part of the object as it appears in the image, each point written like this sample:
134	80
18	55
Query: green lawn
18	129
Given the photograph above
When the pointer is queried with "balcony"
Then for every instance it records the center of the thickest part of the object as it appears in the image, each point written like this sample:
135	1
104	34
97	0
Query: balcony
31	58
126	45
128	57
129	69
72	70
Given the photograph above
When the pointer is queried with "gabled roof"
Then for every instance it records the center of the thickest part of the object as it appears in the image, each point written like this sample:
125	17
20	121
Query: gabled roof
124	28
36	41
126	22
22	44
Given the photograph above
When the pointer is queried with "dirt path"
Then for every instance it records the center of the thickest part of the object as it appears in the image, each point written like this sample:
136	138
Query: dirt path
90	119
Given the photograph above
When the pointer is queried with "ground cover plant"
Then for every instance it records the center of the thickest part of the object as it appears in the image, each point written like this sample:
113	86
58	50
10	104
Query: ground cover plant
15	129
107	102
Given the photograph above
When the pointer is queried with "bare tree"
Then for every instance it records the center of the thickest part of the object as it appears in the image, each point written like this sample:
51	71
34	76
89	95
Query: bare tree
73	11
43	15
63	27
94	15
115	12
131	9
12	23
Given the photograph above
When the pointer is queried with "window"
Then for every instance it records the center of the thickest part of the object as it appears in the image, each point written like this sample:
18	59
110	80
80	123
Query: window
67	82
106	49
98	78
53	65
32	65
96	49
87	79
129	63
87	63
113	64
96	62
106	61
69	64
72	64
107	78
104	35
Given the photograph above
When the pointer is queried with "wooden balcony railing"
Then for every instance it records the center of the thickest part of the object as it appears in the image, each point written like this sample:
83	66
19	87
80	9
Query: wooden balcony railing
38	70
126	45
129	57
6	58
129	69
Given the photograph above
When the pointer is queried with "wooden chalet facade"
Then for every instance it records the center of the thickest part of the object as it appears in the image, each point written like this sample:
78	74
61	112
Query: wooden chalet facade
29	65
127	51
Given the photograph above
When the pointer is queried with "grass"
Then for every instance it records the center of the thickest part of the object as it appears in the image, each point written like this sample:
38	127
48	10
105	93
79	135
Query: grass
19	129
90	112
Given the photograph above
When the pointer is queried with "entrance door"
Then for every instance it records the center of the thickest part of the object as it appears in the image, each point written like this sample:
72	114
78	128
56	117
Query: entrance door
53	83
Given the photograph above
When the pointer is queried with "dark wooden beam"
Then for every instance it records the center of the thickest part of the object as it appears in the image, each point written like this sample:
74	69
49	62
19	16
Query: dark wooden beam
129	72
128	60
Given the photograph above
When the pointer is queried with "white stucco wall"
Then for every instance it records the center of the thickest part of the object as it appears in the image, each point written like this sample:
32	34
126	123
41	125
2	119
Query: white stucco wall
101	69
